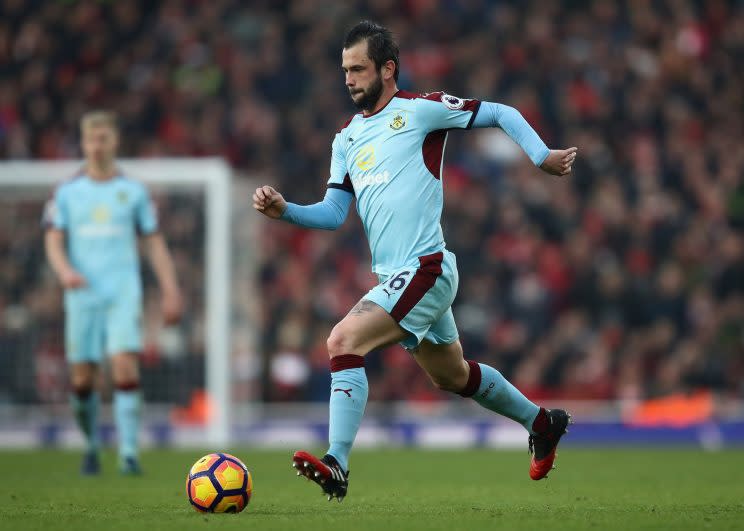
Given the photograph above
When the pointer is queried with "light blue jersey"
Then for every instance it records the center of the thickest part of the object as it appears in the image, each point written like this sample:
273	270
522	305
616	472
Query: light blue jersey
392	162
101	221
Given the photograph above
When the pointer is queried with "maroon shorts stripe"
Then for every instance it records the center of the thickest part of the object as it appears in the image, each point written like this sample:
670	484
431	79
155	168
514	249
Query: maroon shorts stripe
426	275
346	361
474	380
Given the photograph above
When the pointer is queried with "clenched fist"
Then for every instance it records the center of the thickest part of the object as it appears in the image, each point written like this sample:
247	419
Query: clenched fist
559	161
269	202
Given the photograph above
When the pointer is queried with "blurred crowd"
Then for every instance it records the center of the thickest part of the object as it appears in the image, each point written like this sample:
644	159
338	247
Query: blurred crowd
623	280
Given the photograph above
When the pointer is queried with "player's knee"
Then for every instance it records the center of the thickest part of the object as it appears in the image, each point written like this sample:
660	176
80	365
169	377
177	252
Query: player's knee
126	380
82	384
125	370
341	341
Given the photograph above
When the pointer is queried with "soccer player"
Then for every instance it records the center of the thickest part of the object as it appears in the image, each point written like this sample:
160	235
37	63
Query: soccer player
389	157
92	225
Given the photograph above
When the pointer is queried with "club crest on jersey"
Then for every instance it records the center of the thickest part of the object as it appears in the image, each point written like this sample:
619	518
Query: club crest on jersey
121	195
398	122
452	102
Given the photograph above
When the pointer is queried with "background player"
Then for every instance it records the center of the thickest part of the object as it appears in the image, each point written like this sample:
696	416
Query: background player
389	157
93	222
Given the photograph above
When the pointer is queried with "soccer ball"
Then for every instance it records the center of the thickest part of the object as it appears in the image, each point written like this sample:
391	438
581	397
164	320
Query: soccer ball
219	483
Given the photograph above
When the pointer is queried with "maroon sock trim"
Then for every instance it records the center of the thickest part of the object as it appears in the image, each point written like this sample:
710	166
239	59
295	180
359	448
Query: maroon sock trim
346	361
474	380
127	386
541	422
83	392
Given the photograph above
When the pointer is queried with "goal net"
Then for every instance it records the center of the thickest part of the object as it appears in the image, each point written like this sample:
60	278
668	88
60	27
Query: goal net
186	369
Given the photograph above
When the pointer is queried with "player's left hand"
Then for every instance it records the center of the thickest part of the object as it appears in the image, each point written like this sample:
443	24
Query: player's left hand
172	307
559	161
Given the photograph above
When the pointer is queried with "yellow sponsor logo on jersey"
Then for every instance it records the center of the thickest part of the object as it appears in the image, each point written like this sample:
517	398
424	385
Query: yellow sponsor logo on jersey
101	214
365	158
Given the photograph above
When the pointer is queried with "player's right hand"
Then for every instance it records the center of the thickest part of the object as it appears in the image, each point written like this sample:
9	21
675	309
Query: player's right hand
269	202
71	279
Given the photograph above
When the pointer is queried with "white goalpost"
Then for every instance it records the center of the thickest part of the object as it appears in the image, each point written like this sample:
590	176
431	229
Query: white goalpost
213	177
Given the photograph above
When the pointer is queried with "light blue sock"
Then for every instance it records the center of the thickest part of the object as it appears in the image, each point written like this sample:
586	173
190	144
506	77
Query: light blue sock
127	406
86	415
349	390
497	394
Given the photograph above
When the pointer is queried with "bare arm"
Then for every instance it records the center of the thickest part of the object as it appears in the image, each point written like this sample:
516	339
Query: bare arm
162	263
54	243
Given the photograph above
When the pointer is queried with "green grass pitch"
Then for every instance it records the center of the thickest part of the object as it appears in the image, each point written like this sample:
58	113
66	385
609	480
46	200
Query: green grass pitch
599	489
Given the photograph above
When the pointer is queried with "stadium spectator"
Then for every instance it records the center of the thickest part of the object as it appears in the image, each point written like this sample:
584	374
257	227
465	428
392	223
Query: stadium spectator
625	280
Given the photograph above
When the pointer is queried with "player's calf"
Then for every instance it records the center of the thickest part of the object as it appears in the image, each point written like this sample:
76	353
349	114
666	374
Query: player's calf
453	381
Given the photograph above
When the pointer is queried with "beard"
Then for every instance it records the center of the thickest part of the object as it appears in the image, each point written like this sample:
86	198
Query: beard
370	96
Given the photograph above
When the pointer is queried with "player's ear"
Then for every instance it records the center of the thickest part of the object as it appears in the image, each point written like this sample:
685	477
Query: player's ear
388	70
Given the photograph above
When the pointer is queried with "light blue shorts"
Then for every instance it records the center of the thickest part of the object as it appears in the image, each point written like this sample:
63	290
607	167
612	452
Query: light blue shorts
420	299
110	328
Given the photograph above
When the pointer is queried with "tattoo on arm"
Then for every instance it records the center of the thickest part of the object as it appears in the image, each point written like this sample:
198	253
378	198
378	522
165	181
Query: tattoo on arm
363	306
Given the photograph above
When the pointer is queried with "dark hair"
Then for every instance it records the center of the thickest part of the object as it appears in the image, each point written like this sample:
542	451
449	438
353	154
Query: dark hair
381	47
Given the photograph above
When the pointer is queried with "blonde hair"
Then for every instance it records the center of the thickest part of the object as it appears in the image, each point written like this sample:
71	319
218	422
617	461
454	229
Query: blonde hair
98	118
